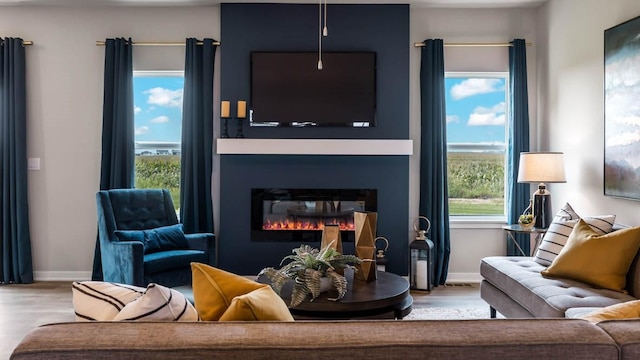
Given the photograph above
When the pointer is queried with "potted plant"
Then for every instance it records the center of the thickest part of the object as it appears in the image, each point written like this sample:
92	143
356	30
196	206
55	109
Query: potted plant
307	269
526	221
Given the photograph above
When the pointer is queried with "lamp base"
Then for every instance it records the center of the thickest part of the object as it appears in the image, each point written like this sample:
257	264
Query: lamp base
542	208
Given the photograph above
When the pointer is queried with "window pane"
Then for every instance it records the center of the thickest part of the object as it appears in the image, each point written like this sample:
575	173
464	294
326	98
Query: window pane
158	129
476	133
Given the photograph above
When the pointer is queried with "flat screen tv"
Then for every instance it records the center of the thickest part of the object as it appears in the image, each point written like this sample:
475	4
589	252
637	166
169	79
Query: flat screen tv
287	89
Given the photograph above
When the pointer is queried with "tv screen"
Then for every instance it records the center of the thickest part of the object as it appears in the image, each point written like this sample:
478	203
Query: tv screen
287	89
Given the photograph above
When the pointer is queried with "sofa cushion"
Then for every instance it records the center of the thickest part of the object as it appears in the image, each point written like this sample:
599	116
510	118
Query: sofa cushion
214	289
558	232
158	239
258	305
520	278
173	259
101	301
159	303
598	260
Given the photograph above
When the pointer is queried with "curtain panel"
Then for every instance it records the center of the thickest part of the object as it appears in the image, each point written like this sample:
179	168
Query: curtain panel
118	151
196	208
434	198
518	195
16	261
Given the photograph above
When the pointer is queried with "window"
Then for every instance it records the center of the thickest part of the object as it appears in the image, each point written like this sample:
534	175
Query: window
158	129
476	137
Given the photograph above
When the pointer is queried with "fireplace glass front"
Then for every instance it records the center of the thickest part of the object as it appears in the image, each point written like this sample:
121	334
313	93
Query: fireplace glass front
300	214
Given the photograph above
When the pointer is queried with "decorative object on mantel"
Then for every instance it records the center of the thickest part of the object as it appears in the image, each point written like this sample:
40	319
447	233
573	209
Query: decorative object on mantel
381	258
365	223
224	115
307	268
421	258
241	115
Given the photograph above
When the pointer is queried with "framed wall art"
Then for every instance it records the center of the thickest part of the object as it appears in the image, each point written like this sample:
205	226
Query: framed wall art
622	110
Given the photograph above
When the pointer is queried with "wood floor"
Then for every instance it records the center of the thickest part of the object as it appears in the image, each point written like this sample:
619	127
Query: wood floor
25	307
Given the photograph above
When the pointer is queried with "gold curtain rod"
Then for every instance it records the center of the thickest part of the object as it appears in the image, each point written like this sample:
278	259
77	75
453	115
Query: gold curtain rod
26	42
157	43
421	44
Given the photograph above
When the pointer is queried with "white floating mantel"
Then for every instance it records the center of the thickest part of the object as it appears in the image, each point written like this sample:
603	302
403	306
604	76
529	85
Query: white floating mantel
246	146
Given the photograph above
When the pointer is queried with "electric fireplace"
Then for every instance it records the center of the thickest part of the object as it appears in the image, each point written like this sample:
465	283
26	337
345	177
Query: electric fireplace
300	214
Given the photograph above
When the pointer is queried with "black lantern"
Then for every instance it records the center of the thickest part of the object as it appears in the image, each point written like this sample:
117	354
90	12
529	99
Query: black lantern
421	260
381	258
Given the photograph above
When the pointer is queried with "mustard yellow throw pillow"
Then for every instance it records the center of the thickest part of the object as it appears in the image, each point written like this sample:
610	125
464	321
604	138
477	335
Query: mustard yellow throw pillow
625	310
261	304
217	291
599	260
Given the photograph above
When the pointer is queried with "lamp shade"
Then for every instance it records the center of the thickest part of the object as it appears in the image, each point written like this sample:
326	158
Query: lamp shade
541	167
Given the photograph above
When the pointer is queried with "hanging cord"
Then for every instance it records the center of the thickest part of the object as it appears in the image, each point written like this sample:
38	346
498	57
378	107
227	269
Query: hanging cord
325	30
319	34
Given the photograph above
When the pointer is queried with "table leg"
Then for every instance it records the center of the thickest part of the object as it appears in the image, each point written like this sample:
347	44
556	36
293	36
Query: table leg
513	239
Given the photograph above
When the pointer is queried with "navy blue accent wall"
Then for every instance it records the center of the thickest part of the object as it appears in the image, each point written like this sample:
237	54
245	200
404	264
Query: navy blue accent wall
294	27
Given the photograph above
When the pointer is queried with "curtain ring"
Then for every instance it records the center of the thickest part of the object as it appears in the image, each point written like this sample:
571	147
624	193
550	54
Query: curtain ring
416	223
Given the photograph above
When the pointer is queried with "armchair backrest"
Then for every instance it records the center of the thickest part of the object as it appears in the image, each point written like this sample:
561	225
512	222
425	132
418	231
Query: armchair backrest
135	209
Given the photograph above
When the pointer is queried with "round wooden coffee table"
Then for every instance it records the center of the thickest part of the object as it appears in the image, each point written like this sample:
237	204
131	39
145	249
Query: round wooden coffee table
385	298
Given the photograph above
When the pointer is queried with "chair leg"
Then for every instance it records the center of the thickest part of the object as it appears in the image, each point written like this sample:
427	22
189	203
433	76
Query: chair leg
492	311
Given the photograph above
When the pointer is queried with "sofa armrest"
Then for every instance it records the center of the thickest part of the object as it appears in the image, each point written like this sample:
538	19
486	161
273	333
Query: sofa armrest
205	242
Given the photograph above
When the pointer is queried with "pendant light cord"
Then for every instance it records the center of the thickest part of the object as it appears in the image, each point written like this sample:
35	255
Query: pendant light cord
325	30
319	34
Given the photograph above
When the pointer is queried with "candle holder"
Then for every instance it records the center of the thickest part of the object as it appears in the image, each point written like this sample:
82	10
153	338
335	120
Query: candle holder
225	134
239	133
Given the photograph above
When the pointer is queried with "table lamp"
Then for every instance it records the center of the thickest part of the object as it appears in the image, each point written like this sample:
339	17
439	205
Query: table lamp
541	168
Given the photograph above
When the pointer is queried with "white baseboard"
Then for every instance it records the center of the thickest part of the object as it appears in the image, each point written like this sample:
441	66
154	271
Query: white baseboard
61	275
464	278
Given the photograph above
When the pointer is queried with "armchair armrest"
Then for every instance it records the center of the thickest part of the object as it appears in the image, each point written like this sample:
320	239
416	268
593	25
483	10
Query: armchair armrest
125	264
205	242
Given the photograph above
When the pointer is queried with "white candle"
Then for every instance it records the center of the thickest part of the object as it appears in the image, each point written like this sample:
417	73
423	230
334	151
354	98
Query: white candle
421	274
242	109
224	109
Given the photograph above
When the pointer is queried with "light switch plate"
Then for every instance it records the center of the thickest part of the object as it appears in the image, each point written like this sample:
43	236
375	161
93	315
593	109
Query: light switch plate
33	164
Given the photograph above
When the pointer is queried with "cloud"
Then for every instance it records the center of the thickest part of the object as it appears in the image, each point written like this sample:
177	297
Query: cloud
473	87
482	116
624	139
142	130
628	120
164	97
453	119
136	109
160	120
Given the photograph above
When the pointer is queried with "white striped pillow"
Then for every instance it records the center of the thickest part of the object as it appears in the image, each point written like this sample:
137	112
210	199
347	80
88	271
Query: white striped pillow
102	301
559	230
159	303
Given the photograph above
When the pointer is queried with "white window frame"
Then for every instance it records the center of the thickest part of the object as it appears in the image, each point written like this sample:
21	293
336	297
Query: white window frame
483	221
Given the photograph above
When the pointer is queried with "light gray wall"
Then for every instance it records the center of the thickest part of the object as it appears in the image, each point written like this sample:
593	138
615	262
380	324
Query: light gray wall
64	74
571	102
65	106
470	240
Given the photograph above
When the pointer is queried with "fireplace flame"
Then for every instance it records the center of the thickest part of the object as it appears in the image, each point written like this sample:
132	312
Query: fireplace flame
288	224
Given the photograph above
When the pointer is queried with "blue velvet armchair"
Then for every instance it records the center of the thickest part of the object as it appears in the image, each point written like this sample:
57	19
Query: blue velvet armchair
141	240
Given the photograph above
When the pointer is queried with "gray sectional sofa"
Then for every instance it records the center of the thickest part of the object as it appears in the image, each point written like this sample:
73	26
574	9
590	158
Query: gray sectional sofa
514	287
513	339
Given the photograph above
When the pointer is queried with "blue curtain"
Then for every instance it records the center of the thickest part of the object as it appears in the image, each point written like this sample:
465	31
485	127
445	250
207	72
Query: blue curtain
518	195
118	154
196	209
434	197
15	263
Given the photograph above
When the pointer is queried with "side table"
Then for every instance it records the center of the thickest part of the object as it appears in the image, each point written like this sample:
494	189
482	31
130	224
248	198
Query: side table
513	229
